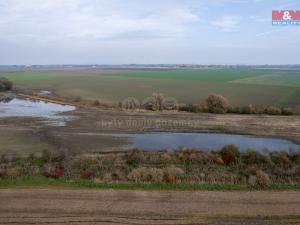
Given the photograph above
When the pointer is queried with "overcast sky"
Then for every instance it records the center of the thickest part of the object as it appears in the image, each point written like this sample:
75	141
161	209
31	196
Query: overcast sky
146	31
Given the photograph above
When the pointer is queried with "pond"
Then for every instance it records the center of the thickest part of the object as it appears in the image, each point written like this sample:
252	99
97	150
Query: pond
18	107
205	141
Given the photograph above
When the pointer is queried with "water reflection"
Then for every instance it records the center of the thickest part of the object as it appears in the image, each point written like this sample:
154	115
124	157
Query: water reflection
17	107
206	141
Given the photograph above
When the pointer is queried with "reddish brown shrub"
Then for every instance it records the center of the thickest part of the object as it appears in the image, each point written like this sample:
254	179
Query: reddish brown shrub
173	174
230	154
280	158
55	173
85	174
218	160
46	174
189	155
58	172
284	158
228	159
170	179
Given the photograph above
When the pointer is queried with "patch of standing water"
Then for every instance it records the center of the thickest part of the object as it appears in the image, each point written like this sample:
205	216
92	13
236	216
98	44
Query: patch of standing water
27	108
45	92
205	141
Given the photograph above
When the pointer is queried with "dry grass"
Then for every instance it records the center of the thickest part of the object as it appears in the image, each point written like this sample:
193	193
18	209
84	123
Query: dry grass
182	166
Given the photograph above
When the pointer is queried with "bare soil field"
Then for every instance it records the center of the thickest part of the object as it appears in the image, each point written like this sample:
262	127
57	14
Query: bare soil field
45	206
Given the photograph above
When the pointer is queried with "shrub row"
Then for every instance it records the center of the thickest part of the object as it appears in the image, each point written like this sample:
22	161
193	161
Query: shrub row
227	165
250	109
214	103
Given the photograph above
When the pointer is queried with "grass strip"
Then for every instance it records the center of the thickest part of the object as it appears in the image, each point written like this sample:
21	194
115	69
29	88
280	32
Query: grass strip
80	184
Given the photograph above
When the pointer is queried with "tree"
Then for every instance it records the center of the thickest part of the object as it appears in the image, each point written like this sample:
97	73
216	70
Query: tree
158	99
216	103
5	84
2	87
273	110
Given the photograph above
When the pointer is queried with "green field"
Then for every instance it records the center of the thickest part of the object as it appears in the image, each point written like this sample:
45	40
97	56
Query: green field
261	87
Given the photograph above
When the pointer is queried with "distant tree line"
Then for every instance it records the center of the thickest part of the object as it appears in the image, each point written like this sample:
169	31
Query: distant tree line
215	103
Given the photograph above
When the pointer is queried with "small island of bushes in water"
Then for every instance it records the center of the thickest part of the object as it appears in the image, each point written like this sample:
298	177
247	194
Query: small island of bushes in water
183	169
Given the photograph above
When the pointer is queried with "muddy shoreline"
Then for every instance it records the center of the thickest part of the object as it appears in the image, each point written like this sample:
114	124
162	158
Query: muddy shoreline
95	120
100	120
112	119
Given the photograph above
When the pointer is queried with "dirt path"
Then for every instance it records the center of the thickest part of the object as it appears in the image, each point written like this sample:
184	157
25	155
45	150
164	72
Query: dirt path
53	206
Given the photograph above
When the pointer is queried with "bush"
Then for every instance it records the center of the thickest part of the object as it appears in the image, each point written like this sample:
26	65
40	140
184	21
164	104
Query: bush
86	174
155	102
280	157
189	108
55	173
216	103
46	155
96	103
287	111
296	158
148	175
173	173
5	84
194	156
244	110
158	99
3	158
132	103
232	109
2	87
135	157
272	110
170	179
258	177
230	154
13	172
252	157
263	179
250	109
76	99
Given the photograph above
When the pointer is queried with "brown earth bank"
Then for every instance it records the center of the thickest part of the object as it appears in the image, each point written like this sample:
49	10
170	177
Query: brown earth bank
60	206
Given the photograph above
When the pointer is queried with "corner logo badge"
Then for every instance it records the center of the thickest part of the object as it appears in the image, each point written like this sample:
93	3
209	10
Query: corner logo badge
286	17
